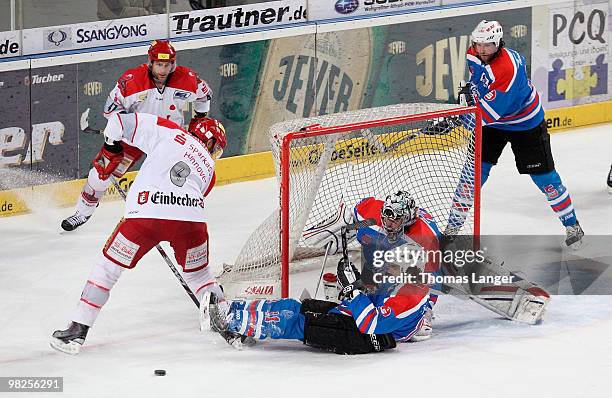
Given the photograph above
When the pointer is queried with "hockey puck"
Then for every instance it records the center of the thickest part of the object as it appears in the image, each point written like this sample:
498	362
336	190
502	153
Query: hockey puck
159	372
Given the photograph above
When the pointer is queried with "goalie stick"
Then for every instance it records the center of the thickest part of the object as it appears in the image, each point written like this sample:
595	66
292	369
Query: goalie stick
352	227
162	252
441	128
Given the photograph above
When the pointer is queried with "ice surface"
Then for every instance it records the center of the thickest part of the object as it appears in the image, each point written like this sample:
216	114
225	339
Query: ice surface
149	323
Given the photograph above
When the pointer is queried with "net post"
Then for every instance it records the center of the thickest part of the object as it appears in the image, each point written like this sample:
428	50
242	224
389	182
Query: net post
477	176
284	211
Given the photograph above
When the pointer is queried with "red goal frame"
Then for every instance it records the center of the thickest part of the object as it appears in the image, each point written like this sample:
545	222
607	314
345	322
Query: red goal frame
320	131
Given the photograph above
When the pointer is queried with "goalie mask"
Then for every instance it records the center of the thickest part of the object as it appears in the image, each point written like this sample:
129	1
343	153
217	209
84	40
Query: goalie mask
398	212
210	133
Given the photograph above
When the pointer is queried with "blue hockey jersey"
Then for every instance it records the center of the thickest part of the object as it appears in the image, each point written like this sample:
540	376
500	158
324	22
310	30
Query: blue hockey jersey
400	313
507	98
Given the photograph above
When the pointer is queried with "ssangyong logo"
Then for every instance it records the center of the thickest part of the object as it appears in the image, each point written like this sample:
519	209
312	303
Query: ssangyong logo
346	6
117	32
57	37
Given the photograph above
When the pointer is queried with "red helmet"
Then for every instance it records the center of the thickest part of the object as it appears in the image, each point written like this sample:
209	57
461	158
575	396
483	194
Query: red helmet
162	51
211	133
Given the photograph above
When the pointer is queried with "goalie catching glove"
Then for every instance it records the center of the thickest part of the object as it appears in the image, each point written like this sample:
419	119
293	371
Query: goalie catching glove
107	160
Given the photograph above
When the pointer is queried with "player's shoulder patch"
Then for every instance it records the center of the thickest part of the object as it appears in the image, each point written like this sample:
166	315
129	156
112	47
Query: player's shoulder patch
503	68
490	96
168	124
134	80
184	78
369	208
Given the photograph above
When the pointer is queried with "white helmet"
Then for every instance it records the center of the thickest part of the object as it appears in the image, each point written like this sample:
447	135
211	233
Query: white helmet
488	32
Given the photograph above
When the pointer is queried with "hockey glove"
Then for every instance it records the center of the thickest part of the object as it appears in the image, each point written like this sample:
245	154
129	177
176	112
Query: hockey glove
465	96
107	160
349	280
442	127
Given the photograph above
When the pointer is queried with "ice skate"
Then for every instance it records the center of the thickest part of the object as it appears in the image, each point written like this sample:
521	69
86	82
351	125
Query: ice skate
74	221
219	323
574	235
426	329
70	340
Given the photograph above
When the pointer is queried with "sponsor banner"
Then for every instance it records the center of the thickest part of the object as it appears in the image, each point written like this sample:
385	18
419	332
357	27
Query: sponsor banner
426	61
9	44
572	53
38	138
445	2
94	34
306	76
229	19
331	9
54	142
15	130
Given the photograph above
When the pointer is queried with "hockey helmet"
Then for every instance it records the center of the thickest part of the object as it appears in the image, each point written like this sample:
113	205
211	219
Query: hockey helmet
488	32
162	51
398	212
211	133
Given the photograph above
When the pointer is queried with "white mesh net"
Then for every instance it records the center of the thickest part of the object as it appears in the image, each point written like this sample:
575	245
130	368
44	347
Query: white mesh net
351	164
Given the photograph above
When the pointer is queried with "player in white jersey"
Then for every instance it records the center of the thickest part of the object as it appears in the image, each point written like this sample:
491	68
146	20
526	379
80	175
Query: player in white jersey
165	203
159	87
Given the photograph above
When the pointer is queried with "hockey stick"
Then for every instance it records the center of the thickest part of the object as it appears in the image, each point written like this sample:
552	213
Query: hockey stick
162	252
352	227
444	127
327	247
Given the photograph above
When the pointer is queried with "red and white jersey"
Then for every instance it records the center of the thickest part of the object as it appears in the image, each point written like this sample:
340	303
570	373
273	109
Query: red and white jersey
136	92
176	175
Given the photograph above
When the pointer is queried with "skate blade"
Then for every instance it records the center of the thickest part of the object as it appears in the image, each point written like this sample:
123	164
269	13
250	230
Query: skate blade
574	246
237	344
204	314
71	348
417	339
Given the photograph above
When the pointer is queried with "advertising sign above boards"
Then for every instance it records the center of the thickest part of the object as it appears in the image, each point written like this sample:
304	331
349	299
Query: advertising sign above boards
332	9
229	19
572	53
9	44
94	34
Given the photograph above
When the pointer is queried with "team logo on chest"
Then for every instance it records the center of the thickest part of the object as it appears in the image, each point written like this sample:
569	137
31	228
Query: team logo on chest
182	95
143	197
485	80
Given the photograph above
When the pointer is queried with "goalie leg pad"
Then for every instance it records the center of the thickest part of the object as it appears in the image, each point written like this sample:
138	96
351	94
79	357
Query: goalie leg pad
317	306
338	333
520	300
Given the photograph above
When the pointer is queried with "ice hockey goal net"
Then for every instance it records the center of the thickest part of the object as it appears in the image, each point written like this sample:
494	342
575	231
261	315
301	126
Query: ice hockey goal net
324	161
